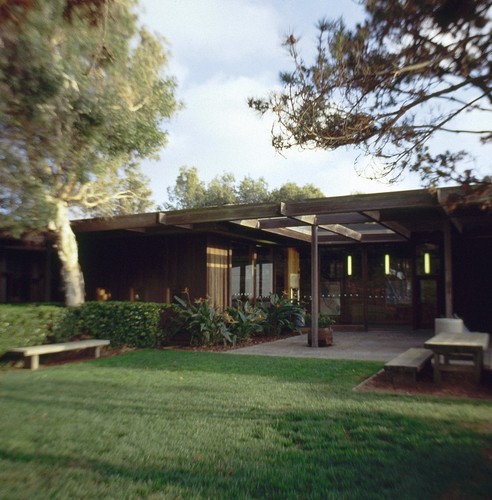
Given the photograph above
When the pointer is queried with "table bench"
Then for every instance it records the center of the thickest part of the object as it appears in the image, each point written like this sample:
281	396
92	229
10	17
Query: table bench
31	354
448	347
487	360
405	366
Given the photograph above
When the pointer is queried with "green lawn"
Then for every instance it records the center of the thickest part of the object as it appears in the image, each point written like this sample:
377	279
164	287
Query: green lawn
167	424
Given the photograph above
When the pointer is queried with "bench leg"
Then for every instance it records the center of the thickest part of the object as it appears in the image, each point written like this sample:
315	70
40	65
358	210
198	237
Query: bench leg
97	352
407	377
32	362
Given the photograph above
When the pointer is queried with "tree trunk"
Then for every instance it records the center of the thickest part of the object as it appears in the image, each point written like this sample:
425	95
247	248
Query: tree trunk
71	273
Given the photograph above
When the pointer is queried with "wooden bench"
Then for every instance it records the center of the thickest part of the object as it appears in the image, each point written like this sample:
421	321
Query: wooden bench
404	367
31	354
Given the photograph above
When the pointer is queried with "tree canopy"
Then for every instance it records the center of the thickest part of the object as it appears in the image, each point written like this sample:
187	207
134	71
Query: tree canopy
191	192
409	72
81	103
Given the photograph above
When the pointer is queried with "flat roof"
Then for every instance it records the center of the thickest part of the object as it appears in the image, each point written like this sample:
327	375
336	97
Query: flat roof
361	218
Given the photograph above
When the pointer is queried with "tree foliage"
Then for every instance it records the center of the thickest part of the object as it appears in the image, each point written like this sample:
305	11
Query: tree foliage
191	192
81	103
410	71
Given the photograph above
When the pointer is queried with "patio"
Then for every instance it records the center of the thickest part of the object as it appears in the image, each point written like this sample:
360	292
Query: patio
374	345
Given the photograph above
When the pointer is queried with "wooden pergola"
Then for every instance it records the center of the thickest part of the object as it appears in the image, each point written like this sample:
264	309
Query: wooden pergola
353	219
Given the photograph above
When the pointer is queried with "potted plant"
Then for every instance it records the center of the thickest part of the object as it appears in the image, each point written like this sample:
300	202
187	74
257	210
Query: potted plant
325	331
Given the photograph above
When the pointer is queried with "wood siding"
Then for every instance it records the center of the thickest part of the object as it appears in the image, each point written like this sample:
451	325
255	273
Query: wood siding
141	267
218	273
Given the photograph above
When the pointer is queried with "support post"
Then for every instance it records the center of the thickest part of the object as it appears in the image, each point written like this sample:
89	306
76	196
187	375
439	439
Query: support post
31	362
314	286
365	305
448	271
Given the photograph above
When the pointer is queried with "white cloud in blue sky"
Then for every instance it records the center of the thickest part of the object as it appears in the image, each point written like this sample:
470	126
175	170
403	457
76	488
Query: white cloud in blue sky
222	52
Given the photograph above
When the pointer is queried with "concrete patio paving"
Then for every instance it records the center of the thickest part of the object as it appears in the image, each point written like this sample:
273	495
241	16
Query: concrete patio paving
375	345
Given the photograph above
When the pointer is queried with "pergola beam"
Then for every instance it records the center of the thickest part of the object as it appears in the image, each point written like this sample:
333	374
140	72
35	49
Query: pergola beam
362	203
220	214
279	222
310	220
394	226
343	231
290	233
252	223
342	218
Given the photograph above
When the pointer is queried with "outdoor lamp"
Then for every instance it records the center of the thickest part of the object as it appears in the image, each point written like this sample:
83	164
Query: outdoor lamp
349	265
427	263
387	264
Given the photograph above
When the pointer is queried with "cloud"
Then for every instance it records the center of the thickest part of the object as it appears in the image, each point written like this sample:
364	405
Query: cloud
218	133
223	53
214	35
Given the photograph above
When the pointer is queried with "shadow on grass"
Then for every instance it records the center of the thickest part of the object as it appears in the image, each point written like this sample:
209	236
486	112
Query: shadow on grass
190	424
373	455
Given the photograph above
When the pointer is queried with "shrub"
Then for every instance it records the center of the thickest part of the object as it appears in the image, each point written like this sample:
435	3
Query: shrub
171	326
207	324
68	326
27	324
281	314
247	319
135	324
324	320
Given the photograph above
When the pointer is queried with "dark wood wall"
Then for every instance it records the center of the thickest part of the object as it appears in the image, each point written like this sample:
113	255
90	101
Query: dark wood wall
29	272
143	267
472	277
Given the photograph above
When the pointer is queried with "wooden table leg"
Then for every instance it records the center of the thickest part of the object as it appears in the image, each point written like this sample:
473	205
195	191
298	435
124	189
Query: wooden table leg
478	364
437	368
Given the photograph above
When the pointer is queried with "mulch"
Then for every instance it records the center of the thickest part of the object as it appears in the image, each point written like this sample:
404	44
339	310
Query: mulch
255	340
453	385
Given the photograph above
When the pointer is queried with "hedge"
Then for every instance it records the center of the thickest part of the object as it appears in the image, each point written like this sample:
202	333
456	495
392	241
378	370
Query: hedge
25	325
134	324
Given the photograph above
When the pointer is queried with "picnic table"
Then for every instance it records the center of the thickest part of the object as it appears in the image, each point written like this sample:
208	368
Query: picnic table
448	347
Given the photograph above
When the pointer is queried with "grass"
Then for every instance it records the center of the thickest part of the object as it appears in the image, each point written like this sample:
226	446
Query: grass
168	424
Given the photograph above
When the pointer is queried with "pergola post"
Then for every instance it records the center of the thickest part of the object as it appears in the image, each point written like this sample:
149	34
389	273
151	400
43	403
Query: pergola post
448	271
314	286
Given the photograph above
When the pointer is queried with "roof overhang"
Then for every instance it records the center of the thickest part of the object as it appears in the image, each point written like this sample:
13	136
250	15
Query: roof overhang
364	218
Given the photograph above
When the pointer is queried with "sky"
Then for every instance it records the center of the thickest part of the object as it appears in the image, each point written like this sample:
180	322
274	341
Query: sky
222	52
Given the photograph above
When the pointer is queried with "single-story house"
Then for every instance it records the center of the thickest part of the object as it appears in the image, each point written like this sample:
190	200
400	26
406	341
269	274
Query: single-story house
369	260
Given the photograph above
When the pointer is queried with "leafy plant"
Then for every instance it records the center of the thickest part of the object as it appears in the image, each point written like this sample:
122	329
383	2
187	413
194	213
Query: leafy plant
206	323
281	314
324	320
247	319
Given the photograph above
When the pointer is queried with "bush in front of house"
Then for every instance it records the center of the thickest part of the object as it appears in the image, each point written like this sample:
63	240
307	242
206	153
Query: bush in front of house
207	324
324	320
27	324
281	315
135	324
247	319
